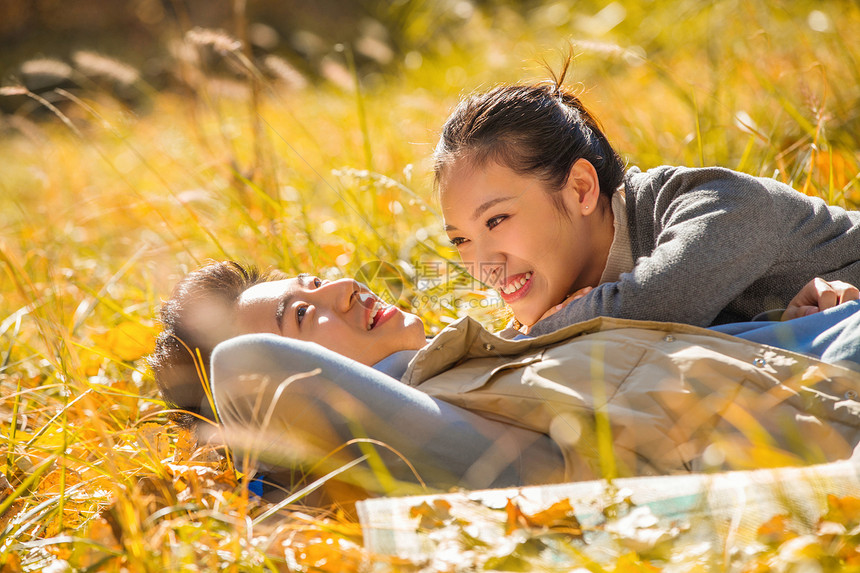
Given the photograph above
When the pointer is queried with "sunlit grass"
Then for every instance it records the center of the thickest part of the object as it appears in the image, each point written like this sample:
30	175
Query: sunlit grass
103	207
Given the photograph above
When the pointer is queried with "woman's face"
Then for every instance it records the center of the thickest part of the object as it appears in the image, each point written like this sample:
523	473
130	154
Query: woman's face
512	237
343	316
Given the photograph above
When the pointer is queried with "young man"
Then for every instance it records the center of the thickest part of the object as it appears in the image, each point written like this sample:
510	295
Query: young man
304	366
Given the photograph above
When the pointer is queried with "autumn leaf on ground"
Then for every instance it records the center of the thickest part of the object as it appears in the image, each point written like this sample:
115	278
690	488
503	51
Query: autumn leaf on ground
844	510
559	517
153	437
520	559
5	491
5	488
776	530
432	516
10	563
631	563
186	445
105	544
128	340
330	554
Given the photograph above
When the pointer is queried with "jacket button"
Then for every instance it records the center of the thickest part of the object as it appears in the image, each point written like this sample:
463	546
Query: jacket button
668	338
488	346
760	362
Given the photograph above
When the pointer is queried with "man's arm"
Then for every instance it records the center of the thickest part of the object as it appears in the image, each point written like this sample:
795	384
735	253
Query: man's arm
292	402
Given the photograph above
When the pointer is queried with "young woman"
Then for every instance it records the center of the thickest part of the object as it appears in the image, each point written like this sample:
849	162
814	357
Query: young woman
540	206
302	367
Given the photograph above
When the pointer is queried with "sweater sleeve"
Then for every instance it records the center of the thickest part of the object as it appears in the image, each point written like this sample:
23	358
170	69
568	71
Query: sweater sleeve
714	232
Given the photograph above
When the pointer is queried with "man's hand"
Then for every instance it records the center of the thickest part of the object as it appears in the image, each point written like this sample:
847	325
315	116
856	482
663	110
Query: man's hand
819	294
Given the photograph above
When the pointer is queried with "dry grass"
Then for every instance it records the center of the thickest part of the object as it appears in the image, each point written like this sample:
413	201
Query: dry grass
103	206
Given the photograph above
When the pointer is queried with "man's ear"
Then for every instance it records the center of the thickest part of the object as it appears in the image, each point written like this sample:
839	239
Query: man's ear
582	189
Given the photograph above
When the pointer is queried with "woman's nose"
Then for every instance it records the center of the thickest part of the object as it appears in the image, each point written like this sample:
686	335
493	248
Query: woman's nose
488	266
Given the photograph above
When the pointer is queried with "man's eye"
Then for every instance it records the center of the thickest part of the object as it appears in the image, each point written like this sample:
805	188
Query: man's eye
493	221
457	241
317	282
301	312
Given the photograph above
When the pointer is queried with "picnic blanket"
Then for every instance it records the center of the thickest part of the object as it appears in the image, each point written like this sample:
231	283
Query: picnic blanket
727	507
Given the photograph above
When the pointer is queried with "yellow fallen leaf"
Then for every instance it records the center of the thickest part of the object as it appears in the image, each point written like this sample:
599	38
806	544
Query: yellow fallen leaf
559	515
776	530
10	562
631	563
128	340
844	510
186	445
432	517
152	437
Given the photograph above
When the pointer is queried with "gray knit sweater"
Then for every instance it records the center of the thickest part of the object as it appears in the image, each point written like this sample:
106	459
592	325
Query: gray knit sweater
713	245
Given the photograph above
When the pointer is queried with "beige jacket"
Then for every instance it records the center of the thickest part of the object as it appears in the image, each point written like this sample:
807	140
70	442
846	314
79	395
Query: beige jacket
624	397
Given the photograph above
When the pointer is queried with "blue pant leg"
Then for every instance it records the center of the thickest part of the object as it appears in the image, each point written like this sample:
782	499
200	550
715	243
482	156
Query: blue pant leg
447	445
832	335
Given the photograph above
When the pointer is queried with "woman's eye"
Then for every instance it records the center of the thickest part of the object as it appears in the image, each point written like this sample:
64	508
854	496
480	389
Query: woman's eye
457	241
493	221
317	282
301	312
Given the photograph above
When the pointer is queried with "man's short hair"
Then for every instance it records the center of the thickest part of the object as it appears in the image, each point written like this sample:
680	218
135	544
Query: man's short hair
200	313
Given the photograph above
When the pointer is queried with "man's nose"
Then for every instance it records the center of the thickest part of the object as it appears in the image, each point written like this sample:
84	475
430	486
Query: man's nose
340	293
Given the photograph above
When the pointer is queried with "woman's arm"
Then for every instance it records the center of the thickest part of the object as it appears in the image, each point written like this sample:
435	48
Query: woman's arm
818	295
712	242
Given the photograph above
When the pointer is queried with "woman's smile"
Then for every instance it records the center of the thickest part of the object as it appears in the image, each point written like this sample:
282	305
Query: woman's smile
533	242
516	287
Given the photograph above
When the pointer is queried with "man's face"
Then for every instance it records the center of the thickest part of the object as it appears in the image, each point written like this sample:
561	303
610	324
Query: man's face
343	316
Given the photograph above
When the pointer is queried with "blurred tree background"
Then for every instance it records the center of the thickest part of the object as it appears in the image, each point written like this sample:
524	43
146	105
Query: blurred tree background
691	51
141	32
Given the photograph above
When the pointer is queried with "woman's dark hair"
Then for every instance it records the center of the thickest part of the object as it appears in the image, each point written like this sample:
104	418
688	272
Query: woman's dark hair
539	130
199	314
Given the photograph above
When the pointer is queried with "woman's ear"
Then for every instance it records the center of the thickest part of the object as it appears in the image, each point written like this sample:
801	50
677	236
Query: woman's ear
582	190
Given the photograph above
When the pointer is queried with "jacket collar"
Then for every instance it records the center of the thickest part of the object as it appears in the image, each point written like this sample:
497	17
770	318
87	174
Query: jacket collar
467	338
